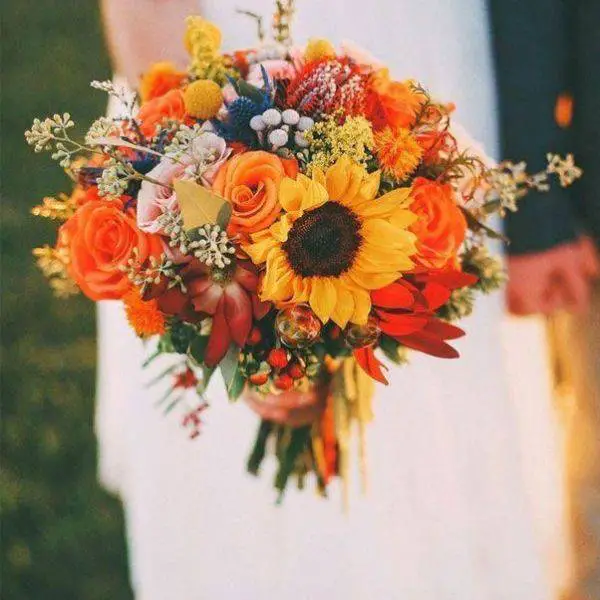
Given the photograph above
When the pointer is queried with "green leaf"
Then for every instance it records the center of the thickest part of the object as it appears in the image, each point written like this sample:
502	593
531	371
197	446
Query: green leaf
390	346
207	373
260	447
250	91
475	225
237	385
200	206
229	363
197	349
299	442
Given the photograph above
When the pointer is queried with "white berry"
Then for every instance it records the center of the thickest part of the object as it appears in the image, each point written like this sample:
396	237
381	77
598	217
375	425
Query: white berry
300	140
278	138
257	123
272	117
290	116
305	123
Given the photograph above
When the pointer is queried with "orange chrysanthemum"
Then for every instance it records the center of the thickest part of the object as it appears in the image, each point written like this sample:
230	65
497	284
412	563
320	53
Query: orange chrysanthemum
144	316
393	103
398	152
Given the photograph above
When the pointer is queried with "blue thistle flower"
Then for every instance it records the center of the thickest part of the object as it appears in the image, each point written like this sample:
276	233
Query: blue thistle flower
251	101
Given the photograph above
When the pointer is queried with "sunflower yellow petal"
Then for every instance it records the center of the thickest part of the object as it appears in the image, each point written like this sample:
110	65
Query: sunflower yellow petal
314	196
344	307
291	193
379	232
362	306
370	185
259	250
323	297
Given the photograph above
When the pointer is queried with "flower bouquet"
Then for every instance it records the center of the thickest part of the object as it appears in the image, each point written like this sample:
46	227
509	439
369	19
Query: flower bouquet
289	216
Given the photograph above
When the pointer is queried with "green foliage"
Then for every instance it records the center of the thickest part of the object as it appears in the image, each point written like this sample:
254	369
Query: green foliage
62	535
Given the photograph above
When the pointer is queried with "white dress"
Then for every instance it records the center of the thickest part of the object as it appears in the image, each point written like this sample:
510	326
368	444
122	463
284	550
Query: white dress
464	491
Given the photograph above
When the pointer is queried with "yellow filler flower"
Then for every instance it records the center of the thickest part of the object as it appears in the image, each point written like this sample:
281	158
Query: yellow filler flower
335	242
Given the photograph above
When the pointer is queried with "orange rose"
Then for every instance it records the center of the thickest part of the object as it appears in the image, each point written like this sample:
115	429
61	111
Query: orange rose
160	79
250	181
392	103
441	226
100	238
155	111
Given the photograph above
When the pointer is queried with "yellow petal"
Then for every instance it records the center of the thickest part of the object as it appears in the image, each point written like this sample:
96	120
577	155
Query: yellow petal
384	206
314	196
362	306
291	193
323	297
402	218
281	228
379	232
370	186
259	250
372	281
301	290
344	307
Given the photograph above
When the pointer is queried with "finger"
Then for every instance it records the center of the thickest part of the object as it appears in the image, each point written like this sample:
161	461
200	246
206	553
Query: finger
553	298
575	292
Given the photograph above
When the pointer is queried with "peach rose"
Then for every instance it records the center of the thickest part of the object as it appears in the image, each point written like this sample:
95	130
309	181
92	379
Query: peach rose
250	181
157	110
160	79
100	238
441	226
391	103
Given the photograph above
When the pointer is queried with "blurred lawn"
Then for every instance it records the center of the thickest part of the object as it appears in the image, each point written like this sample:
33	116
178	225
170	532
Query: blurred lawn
62	535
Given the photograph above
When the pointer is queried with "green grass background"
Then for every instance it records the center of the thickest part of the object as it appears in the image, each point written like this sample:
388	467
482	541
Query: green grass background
62	536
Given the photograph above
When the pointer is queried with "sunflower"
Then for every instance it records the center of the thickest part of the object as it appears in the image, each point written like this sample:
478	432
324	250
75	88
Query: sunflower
335	242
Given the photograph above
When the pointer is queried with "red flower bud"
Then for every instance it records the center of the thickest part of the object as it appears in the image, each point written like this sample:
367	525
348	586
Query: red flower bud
259	378
278	358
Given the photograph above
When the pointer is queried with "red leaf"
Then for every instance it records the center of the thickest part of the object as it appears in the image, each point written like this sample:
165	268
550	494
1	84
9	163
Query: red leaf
369	363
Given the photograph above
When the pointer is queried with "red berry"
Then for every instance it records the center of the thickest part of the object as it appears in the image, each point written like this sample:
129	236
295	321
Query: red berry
278	358
259	378
295	371
284	382
255	336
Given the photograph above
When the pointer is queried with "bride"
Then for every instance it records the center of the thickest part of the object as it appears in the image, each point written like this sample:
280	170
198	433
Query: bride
449	513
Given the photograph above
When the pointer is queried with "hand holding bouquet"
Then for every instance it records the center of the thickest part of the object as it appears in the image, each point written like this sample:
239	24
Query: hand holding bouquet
287	216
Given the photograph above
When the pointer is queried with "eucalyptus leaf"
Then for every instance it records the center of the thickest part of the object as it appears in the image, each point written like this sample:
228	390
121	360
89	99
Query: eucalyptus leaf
229	365
200	206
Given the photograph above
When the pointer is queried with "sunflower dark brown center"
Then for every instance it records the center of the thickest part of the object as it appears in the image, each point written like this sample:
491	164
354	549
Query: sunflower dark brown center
324	241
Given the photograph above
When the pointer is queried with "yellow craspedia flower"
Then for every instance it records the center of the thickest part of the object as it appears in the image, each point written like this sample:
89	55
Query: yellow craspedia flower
335	242
317	49
201	32
203	99
398	152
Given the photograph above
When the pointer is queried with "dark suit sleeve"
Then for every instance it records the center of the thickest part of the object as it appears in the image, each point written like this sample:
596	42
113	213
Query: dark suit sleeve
532	52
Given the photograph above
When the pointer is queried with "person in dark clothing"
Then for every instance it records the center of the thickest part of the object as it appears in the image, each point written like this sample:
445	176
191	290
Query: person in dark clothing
548	75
